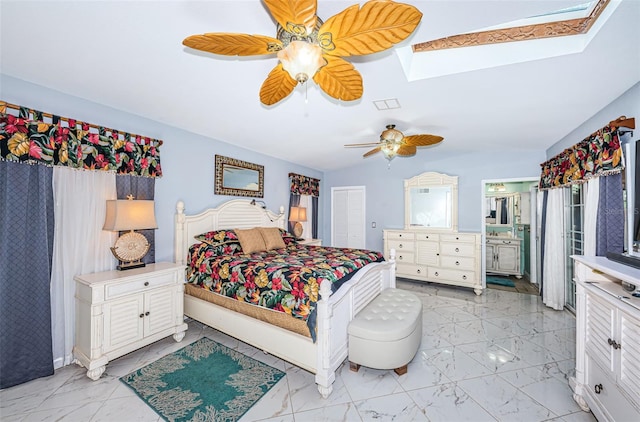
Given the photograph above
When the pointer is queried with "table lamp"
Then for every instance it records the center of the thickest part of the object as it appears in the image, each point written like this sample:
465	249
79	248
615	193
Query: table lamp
297	214
129	215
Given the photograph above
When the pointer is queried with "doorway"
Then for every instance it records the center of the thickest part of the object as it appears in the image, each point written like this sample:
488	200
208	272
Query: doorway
510	234
348	221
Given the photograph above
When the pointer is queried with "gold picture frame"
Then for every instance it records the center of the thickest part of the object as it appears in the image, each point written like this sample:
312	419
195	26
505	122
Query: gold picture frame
238	178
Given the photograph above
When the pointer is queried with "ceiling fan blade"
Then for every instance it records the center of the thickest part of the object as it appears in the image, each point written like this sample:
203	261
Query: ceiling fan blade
375	27
422	140
287	13
370	153
407	150
234	44
277	86
368	144
339	79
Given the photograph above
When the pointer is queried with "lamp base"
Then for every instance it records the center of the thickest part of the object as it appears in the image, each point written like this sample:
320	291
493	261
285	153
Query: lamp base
297	230
130	265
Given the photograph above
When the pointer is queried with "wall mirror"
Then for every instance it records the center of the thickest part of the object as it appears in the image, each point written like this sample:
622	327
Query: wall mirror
500	210
238	178
431	202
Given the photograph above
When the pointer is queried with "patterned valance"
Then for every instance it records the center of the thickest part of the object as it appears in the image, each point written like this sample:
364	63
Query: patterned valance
25	136
599	154
303	185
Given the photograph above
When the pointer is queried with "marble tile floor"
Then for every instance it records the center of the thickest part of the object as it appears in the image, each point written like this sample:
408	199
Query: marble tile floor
501	356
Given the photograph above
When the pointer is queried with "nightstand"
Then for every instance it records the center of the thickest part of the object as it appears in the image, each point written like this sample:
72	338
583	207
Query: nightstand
118	312
311	242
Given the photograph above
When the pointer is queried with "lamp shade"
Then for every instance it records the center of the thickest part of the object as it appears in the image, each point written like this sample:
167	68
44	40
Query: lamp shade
298	214
127	214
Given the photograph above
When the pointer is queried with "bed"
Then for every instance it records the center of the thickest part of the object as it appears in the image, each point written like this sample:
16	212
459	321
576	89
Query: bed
321	355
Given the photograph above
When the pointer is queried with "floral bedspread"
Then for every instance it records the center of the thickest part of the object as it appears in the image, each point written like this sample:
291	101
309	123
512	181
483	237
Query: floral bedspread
286	280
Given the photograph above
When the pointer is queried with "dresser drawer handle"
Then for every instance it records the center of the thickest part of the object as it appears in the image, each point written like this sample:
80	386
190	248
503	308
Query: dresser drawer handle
400	246
400	257
613	343
141	315
146	283
146	313
457	250
457	262
417	271
436	274
598	388
464	277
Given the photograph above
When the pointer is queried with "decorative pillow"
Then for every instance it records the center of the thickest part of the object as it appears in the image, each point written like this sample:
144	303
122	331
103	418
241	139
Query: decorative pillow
251	240
287	237
217	236
272	237
221	249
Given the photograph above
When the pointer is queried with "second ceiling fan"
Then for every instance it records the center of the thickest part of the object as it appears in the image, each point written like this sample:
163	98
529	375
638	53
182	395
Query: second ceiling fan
393	143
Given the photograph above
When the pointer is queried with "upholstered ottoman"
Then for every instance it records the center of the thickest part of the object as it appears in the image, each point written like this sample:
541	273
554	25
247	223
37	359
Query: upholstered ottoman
386	334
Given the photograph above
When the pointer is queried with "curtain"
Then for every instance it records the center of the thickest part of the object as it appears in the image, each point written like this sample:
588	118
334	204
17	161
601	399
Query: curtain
27	225
610	224
600	154
592	197
303	185
554	251
140	188
80	245
27	136
542	212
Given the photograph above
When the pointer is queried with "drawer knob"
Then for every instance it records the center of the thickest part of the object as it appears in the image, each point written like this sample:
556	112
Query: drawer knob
418	271
146	313
457	262
464	277
614	344
457	249
400	257
400	246
598	388
146	283
436	274
141	315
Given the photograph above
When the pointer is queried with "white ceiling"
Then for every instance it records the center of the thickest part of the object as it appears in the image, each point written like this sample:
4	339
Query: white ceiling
129	55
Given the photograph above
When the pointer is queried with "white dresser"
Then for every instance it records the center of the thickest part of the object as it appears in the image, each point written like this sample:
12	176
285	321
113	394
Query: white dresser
441	257
118	312
607	379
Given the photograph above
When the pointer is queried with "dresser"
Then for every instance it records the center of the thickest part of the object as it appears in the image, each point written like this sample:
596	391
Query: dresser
607	379
441	257
118	312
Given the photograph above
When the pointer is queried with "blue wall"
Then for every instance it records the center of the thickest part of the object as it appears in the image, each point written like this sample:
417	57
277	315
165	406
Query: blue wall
187	158
385	189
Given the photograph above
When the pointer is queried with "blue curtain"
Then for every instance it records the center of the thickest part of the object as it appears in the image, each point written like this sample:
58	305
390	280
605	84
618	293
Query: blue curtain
610	223
314	220
140	188
26	248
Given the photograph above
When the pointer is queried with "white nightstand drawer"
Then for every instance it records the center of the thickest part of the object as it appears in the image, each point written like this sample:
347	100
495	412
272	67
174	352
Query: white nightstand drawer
138	285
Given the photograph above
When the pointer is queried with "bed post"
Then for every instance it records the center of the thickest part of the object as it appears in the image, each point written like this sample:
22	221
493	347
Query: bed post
392	268
325	376
179	233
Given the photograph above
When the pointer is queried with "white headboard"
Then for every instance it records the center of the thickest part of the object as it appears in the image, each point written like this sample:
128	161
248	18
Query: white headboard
234	214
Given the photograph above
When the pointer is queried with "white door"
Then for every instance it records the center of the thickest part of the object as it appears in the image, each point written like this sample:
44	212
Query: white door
348	217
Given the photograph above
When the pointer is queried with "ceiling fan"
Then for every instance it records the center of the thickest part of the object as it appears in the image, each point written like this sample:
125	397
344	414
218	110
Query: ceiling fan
308	48
393	143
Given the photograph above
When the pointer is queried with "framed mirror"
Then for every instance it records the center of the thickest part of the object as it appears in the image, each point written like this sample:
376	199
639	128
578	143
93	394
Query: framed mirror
500	210
238	178
431	202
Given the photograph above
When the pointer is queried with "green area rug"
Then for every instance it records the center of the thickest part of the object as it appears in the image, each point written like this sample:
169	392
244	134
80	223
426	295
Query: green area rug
502	281
204	381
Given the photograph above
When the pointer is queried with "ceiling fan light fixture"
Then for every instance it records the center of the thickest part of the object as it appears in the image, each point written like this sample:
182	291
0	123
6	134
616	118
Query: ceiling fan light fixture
301	60
390	149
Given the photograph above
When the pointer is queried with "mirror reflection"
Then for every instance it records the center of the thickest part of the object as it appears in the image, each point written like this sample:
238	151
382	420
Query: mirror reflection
499	210
430	207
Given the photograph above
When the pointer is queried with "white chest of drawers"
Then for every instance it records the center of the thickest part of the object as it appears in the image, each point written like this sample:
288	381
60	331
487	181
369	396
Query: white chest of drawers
118	312
607	376
449	258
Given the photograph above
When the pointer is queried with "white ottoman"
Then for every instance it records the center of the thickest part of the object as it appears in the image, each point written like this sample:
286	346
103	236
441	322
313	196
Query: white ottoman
386	334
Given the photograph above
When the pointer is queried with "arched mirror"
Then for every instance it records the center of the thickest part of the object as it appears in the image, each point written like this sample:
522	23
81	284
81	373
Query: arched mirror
431	202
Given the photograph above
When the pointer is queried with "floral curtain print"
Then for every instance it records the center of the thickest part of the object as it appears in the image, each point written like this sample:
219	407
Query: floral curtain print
25	136
303	185
600	154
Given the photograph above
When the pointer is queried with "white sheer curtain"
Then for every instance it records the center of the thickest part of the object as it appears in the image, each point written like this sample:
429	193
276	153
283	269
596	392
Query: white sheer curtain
80	246
592	197
305	201
554	251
